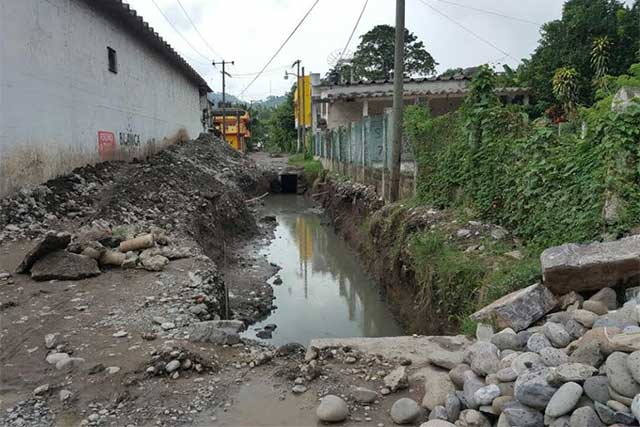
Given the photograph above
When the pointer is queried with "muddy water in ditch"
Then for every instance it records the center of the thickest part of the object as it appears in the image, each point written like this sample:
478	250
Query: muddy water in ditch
324	292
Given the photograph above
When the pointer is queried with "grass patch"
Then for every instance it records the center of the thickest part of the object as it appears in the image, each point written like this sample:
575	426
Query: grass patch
312	168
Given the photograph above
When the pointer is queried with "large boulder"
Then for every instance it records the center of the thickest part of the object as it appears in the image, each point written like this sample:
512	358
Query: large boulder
573	267
52	242
63	265
519	309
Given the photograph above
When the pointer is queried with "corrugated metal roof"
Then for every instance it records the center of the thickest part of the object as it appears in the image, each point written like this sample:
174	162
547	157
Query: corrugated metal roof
425	92
458	76
123	13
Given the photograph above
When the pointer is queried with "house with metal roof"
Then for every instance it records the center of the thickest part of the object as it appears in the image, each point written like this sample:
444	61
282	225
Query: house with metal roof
335	105
87	80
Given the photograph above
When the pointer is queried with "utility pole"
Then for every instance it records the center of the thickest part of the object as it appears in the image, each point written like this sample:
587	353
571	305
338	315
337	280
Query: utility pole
297	63
224	96
398	80
304	113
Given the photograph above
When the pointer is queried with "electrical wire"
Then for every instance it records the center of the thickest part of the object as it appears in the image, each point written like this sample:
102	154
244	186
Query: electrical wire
473	33
281	47
364	6
490	12
198	31
270	71
179	33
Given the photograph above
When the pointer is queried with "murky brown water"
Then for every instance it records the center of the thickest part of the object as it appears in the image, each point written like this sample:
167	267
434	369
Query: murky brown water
324	292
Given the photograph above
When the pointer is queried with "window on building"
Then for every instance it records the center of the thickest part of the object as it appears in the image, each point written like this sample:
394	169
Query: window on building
113	60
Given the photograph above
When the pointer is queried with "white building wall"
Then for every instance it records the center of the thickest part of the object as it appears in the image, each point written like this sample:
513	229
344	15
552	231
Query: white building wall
56	92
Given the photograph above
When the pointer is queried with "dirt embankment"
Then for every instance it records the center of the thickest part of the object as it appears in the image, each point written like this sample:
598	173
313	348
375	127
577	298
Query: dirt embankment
434	267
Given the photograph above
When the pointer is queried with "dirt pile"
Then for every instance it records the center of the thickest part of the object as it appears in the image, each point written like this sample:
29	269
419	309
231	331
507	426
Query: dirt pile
196	188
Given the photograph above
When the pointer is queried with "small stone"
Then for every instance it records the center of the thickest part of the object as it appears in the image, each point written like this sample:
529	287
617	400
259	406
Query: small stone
606	296
41	390
484	332
50	340
437	386
635	407
506	340
486	395
167	326
507	375
595	307
522	416
564	400
597	388
588	353
533	390
558	336
483	358
64	395
405	411
364	395
584	317
299	389
332	409
439	413
585	417
453	405
537	342
606	414
473	418
113	370
457	374
619	375
172	366
633	363
397	379
573	372
553	357
120	334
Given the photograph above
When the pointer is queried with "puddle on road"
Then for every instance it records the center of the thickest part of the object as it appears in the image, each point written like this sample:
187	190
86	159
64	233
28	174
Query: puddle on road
325	293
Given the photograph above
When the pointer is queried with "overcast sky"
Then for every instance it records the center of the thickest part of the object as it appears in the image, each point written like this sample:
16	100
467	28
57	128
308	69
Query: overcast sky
249	32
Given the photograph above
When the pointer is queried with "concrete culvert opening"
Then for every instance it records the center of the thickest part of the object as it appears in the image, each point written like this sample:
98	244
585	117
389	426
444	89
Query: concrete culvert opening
289	183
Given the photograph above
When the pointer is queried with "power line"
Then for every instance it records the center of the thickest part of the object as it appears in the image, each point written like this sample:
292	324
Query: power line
473	33
269	71
179	33
281	47
197	31
490	12
364	6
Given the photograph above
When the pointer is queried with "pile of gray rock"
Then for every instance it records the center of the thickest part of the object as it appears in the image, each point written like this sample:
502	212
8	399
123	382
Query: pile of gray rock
62	256
567	358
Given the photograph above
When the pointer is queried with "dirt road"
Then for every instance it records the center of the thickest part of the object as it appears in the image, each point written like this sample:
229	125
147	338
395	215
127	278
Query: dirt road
121	348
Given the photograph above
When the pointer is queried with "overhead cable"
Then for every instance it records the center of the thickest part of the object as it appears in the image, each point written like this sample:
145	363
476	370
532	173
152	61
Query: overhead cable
468	30
179	33
281	47
364	6
490	12
198	31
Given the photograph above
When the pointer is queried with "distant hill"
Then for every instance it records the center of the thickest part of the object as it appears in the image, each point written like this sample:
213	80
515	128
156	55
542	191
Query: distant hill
216	97
269	102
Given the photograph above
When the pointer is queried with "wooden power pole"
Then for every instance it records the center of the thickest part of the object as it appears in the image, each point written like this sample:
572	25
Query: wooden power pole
398	83
224	96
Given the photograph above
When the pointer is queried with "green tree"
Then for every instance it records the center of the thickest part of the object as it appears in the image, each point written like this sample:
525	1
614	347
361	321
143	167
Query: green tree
373	59
565	88
568	42
281	128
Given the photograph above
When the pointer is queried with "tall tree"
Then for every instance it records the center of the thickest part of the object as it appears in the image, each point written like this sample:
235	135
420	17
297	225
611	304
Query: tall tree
373	58
281	128
568	42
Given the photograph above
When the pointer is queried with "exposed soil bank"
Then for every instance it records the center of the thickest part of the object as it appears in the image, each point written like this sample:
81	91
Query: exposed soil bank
430	292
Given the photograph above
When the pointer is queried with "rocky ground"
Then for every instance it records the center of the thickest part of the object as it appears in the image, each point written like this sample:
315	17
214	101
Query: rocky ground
125	288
